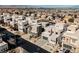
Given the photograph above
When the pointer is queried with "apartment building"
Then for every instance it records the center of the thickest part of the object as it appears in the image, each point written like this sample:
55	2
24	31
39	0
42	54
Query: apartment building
49	35
72	28
36	30
70	40
29	19
76	21
7	18
22	25
53	33
1	19
3	46
14	22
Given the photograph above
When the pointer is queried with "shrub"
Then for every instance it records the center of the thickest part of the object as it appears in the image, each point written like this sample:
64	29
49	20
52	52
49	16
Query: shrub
71	20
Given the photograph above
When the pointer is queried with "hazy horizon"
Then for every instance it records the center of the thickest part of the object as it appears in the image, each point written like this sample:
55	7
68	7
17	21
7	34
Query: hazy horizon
39	6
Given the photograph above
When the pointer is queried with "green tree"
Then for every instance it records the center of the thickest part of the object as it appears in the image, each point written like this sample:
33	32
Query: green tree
71	20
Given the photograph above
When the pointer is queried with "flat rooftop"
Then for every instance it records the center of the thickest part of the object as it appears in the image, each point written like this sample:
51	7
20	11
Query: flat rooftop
72	35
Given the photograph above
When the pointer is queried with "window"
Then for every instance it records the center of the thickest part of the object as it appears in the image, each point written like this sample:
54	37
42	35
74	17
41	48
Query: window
2	50
25	25
56	33
61	32
67	40
52	40
73	40
69	30
76	28
6	48
20	29
33	21
67	46
45	38
56	40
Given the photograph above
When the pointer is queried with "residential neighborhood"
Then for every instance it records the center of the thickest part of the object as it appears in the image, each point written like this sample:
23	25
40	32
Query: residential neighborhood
39	30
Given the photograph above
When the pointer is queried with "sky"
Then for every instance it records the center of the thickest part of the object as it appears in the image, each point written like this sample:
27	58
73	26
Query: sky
40	6
57	6
38	2
42	3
